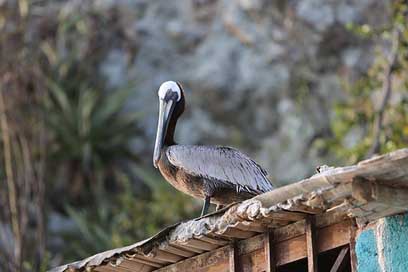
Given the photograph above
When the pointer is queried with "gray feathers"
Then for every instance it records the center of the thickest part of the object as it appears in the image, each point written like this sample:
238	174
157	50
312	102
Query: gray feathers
225	166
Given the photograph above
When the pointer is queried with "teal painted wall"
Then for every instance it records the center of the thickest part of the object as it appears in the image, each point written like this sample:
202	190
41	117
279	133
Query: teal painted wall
366	251
390	236
395	242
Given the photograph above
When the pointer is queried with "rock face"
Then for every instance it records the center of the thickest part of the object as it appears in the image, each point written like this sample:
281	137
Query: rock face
259	75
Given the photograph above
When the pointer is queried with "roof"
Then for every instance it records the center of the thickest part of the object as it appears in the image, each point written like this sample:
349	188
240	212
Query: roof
366	191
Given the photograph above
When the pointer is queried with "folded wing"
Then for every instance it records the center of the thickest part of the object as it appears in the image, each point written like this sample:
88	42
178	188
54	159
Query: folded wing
224	165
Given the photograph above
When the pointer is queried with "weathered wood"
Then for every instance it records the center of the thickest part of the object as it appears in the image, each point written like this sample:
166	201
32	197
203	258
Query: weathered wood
339	260
383	213
253	262
148	259
295	248
216	260
136	261
233	258
330	189
292	190
187	247
107	268
366	191
270	264
251	226
251	244
218	241
337	194
178	251
252	251
165	256
287	216
366	209
236	233
311	244
352	246
305	209
133	265
201	244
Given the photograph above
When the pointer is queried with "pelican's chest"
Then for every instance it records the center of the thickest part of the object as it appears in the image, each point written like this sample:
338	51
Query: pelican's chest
181	180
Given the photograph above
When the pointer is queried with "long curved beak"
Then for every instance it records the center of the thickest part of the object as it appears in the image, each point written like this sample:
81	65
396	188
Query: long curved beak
165	111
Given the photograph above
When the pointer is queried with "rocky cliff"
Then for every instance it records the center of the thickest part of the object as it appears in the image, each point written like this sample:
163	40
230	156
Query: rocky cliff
260	75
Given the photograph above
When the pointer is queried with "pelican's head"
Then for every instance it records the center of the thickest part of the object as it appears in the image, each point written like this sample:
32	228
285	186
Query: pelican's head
170	98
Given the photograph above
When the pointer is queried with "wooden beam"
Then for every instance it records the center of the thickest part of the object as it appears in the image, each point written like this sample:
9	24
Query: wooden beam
233	258
311	244
352	246
295	248
251	253
270	263
339	260
366	191
212	261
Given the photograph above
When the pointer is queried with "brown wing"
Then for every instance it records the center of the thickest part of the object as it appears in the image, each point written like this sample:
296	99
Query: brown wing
221	164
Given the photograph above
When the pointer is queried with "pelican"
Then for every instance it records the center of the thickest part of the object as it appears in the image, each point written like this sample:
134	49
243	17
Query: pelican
217	174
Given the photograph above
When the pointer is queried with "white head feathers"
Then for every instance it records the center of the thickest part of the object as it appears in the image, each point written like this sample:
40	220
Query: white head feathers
169	86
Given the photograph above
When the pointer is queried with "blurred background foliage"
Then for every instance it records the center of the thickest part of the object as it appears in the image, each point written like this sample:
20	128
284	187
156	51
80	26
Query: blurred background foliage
56	105
71	182
361	110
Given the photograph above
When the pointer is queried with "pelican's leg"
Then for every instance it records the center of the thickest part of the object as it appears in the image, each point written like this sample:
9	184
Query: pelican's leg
205	206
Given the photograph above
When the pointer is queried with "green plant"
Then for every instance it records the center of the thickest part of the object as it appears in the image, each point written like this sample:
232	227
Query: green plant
116	220
381	122
91	132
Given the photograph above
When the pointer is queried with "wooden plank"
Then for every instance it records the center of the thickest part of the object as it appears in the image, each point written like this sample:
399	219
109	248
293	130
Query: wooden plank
253	262
136	265
290	244
187	248
366	209
251	226
104	268
337	194
300	207
177	251
145	268
383	213
366	191
165	256
252	253
298	228
290	250
269	254
339	260
287	216
251	244
283	193
333	236
138	260
311	244
218	241
146	258
327	238
352	246
233	258
289	231
236	233
201	244
216	260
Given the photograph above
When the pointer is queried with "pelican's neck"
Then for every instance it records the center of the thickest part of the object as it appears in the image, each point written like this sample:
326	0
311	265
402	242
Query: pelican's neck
169	139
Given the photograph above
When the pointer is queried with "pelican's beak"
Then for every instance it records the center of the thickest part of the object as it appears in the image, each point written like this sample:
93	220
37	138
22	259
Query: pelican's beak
165	111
